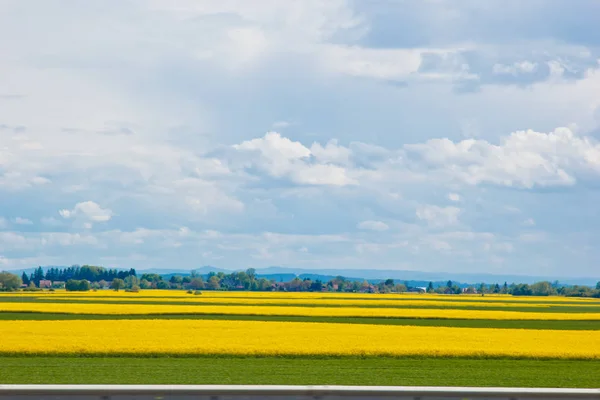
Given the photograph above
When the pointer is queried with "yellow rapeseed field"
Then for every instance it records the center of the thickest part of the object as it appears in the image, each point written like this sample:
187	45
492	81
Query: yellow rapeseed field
359	302
206	337
307	295
126	309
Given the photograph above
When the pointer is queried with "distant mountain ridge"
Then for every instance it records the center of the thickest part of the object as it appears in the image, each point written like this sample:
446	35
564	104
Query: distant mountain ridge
421	277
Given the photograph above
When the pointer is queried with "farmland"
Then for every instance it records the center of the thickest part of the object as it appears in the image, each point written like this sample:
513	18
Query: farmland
533	341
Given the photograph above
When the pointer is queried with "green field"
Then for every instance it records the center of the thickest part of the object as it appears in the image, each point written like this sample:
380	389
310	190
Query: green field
460	323
562	307
345	371
430	370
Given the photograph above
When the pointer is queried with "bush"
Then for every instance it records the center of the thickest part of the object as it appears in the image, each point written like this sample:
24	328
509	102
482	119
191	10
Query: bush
134	289
32	288
117	284
522	289
197	292
9	282
162	285
74	285
190	291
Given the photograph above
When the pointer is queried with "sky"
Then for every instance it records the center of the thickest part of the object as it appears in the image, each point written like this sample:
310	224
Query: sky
446	136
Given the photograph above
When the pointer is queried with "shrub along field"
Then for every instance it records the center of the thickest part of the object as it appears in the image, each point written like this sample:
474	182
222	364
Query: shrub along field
302	338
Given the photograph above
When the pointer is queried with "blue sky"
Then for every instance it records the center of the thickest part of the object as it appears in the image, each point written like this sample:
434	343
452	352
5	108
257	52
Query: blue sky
420	135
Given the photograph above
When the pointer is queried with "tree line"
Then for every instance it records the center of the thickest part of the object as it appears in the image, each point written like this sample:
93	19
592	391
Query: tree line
89	273
86	277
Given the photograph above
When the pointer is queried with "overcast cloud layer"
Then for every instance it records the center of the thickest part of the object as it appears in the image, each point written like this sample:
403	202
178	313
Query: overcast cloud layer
425	135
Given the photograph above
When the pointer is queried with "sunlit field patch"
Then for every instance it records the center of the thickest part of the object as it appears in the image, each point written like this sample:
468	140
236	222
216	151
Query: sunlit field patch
132	309
258	338
314	302
164	294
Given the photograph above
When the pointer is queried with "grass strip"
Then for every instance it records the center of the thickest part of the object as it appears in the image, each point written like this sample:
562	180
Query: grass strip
300	371
461	306
552	300
456	323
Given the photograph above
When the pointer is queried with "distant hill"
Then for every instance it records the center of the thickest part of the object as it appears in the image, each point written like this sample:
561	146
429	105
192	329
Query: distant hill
414	278
404	275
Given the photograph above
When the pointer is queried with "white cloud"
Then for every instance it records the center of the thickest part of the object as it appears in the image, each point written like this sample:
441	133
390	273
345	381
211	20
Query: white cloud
16	180
68	239
373	226
281	157
533	237
440	245
529	222
516	68
453	197
23	221
276	149
88	210
50	221
280	124
438	216
331	153
14	241
393	64
523	159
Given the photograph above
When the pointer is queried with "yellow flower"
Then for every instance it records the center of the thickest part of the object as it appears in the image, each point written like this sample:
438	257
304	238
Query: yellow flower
209	337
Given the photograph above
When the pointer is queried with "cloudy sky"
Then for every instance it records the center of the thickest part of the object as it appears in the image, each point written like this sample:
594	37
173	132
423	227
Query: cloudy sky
422	135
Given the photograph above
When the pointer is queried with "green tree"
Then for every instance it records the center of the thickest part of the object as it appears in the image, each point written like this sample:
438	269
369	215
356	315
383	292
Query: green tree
542	289
38	275
430	288
25	278
145	284
84	285
598	286
251	272
400	288
521	289
197	283
482	288
131	281
213	283
162	285
74	285
9	282
264	284
176	280
154	278
117	284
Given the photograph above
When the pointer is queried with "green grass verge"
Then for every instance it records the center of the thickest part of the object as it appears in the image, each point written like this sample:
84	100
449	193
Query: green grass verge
457	323
299	371
554	308
372	297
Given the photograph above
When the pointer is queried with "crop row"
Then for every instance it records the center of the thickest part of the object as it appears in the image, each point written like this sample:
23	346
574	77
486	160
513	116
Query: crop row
259	338
349	302
459	323
166	294
132	309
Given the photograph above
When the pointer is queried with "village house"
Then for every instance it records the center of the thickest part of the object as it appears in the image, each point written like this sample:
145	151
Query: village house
45	284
